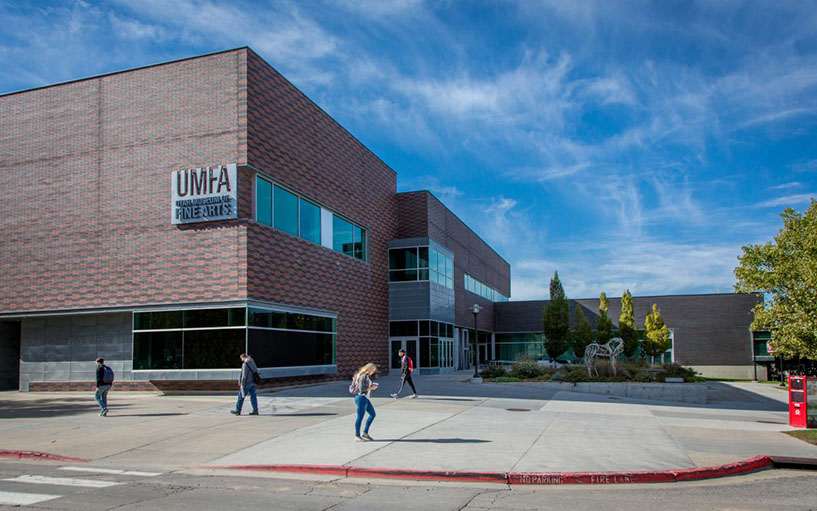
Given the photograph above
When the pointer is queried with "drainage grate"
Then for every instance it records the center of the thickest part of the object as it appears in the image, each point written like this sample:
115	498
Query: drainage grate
518	409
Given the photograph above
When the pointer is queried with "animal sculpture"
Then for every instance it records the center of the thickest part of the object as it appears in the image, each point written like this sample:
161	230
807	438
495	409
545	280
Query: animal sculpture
610	350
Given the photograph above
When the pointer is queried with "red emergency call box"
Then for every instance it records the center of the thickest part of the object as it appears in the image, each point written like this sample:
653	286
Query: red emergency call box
802	402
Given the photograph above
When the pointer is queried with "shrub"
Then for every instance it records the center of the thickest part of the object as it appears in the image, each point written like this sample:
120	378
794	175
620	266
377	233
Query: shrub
679	371
574	374
492	371
506	379
644	377
527	369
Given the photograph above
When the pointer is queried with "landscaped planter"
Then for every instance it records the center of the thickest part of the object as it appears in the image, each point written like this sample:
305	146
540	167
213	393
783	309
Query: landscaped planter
679	392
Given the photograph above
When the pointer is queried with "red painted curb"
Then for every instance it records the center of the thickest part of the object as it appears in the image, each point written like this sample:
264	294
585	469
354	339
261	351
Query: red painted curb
37	455
426	475
520	478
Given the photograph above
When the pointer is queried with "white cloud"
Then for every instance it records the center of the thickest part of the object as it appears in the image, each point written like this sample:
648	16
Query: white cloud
789	201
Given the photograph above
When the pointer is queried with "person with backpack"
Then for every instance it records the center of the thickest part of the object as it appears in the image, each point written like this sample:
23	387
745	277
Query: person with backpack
406	368
248	380
362	387
104	381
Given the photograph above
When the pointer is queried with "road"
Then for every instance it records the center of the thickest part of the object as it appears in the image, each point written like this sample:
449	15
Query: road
61	487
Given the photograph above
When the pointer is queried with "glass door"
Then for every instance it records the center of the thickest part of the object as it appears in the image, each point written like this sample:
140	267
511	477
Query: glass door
410	344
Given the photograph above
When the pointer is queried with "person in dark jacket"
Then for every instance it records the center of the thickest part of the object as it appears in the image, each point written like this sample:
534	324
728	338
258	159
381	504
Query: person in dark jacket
103	385
246	385
406	367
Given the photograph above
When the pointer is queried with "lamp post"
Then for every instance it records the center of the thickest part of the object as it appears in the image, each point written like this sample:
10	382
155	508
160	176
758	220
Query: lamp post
475	309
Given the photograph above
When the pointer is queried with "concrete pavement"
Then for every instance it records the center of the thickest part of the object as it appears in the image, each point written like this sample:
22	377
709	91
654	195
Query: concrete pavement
452	426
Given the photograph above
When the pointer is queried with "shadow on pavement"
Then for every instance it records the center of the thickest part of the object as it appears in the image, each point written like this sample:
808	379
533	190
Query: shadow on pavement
435	440
317	414
41	408
113	414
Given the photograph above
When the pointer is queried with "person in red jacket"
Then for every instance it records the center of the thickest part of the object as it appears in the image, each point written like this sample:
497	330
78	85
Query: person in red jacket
406	367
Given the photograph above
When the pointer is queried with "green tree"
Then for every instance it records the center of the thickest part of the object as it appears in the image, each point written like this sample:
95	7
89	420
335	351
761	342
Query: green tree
785	270
626	325
604	325
582	334
556	320
657	339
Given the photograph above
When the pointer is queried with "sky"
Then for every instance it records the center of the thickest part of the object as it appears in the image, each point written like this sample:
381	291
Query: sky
626	144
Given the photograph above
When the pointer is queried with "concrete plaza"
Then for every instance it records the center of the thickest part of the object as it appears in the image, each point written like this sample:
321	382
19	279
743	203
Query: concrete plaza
453	425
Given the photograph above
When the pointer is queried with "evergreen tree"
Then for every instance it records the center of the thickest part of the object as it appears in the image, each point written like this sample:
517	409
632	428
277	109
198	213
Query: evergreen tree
604	325
785	269
582	334
556	320
657	334
626	325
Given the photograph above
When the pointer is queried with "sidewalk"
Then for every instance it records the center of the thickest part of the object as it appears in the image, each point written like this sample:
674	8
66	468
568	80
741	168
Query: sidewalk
452	426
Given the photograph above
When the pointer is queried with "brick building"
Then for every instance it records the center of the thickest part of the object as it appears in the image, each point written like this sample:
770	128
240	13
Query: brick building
171	217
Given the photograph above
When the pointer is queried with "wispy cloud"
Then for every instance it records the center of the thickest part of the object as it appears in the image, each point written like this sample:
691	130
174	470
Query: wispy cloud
789	201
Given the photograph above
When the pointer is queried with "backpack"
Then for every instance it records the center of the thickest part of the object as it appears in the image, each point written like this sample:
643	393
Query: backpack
410	363
256	378
353	388
107	375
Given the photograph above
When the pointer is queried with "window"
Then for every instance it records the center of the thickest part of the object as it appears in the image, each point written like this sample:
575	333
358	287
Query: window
289	212
473	285
214	338
263	201
421	263
285	211
310	222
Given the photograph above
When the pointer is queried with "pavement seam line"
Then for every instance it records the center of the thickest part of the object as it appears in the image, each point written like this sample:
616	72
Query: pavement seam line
512	469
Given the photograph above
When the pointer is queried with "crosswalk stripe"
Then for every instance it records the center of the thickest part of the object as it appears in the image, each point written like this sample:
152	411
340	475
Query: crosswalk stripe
94	470
10	498
140	474
112	471
62	481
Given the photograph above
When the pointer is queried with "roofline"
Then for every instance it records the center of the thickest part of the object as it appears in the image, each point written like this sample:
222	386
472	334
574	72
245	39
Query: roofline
461	220
102	75
641	296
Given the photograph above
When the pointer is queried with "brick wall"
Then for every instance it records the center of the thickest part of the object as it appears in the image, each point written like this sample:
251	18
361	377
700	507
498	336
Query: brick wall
292	140
86	168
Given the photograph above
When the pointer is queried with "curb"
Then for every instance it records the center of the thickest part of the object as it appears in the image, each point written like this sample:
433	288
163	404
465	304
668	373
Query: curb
38	455
543	478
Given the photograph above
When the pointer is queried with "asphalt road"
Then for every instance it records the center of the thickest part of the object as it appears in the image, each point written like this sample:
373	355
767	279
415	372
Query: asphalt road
60	487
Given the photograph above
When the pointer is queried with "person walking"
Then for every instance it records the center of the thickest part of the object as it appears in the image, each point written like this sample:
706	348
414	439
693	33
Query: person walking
364	386
246	385
104	381
406	368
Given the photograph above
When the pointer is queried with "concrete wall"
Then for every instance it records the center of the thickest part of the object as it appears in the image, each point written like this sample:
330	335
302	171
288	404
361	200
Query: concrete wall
63	348
738	372
9	354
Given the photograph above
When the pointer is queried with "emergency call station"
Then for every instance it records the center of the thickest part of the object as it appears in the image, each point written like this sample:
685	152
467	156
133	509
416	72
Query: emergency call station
802	401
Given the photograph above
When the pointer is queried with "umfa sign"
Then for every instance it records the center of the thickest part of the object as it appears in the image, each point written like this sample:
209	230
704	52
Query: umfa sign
204	194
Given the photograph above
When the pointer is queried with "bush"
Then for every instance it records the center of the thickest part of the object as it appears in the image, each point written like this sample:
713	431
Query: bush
527	369
679	371
506	379
574	374
492	371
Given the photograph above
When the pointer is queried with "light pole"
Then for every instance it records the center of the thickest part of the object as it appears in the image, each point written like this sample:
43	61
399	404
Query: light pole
475	309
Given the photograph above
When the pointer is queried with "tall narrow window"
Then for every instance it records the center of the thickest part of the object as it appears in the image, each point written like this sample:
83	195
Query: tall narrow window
263	201
310	222
286	211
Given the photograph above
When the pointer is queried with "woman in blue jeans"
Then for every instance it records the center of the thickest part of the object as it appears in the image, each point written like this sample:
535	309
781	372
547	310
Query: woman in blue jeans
363	379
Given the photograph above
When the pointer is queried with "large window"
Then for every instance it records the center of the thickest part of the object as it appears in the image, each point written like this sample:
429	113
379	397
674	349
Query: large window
214	338
421	263
289	212
436	341
475	286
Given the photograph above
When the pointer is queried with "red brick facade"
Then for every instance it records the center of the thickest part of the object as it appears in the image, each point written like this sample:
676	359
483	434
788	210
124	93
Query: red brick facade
86	225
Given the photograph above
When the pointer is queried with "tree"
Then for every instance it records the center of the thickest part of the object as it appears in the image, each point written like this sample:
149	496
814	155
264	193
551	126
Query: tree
657	334
582	334
556	320
604	325
626	325
785	270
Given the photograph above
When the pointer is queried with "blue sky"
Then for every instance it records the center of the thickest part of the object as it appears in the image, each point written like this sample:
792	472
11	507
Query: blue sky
626	144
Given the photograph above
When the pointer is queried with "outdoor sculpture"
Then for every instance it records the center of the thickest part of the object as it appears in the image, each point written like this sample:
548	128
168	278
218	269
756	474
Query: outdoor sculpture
610	350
